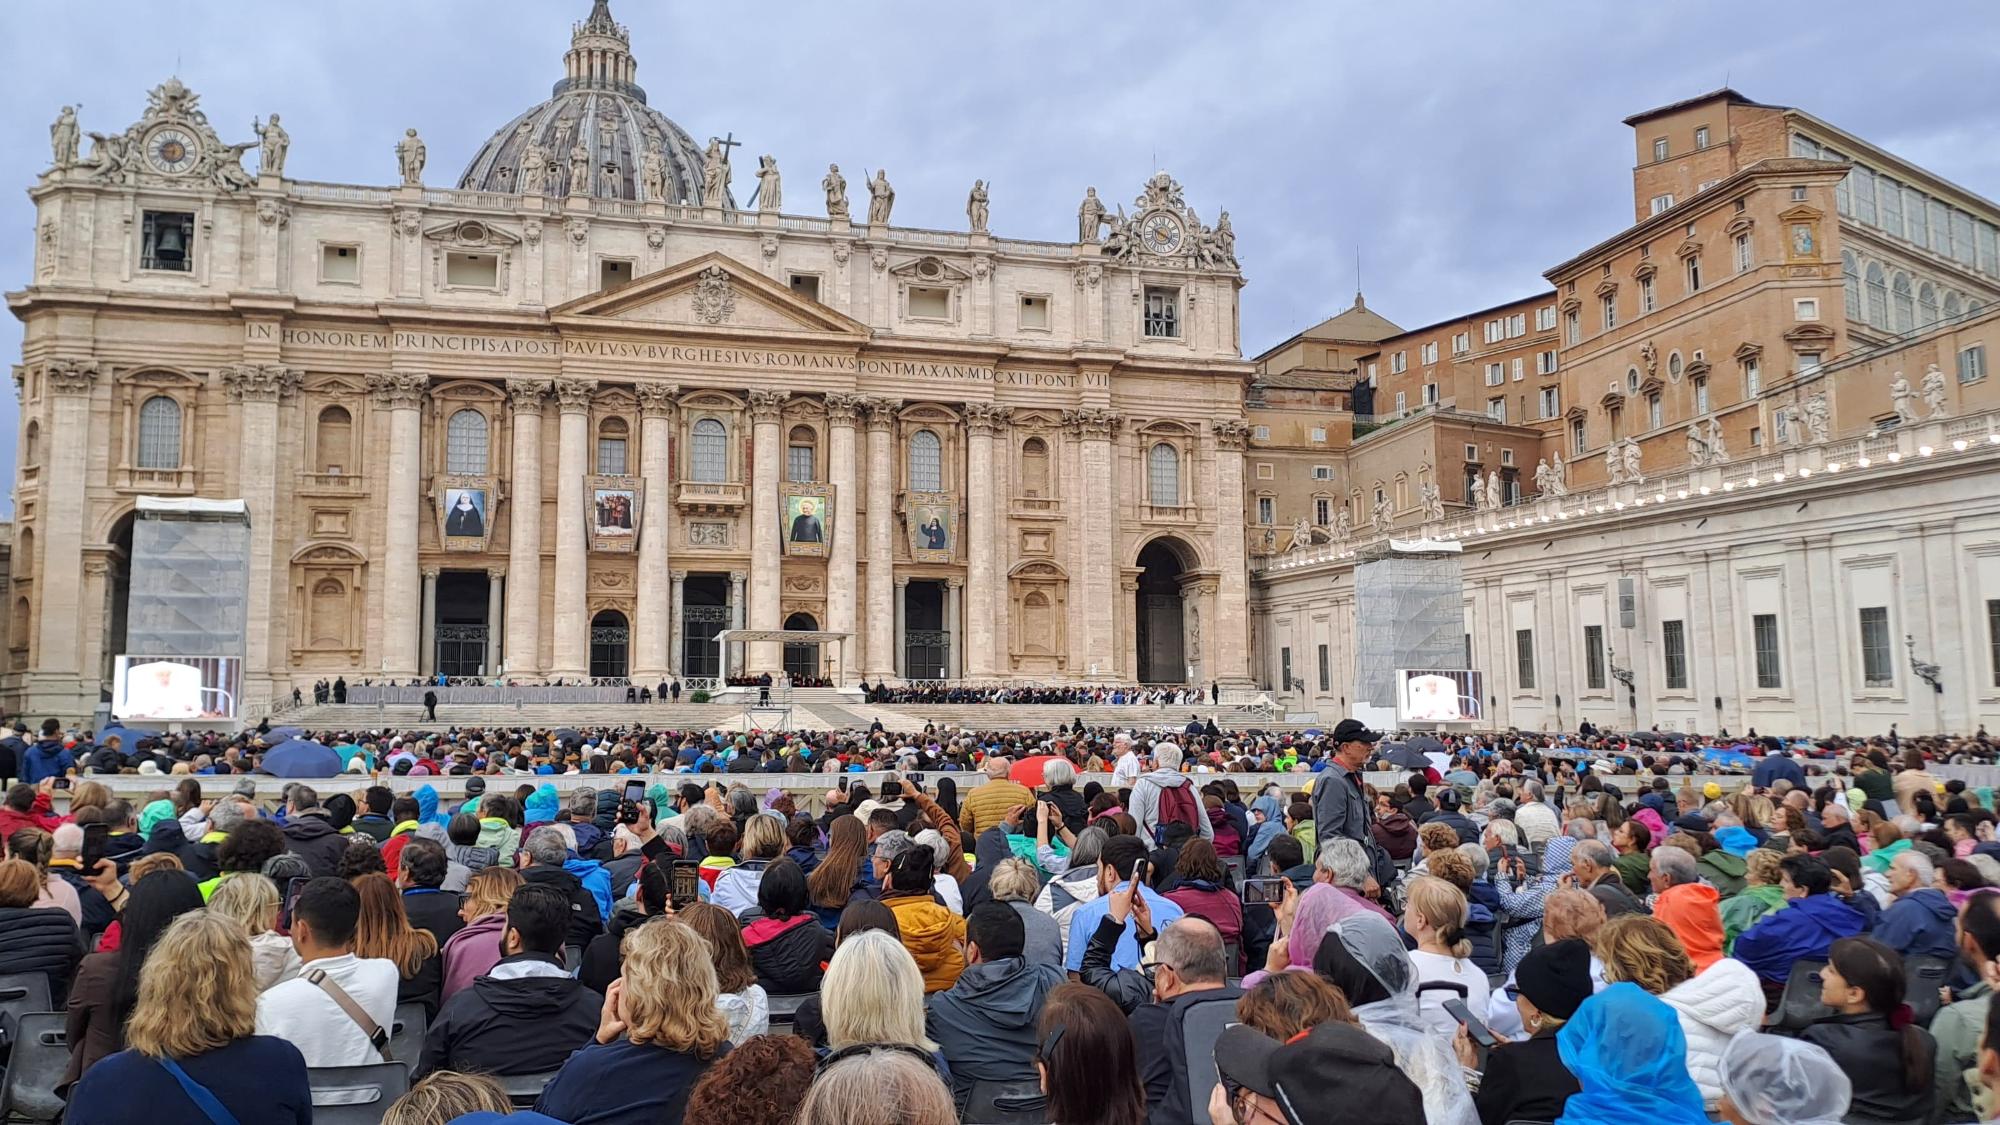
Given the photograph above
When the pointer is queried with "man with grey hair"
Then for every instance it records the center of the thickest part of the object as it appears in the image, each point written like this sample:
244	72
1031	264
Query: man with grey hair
547	854
1838	831
1190	970
1592	864
1124	761
1346	866
310	835
1165	795
1537	821
888	846
1687	905
1920	922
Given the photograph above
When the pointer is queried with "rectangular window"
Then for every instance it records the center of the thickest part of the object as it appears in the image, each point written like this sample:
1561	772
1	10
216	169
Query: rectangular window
1805	308
1673	649
1471	452
1661	203
1701	137
1593	657
1810	361
1267	510
473	271
1496	409
1318	434
1573	334
1545	318
1694	273
932	302
1322	472
1261	433
1877	667
340	265
1285	668
613	272
1035	313
1660	148
1653	415
1163	312
1742	253
1764	637
1524	658
1495	331
611	456
1551	402
167	241
1496	374
1700	395
1753	378
1428	352
1545	362
1322	511
1461	343
799	463
1325	670
1402	403
1609	309
1517	326
1519	366
1399	362
1576	437
1430	394
1647	301
1972	364
805	285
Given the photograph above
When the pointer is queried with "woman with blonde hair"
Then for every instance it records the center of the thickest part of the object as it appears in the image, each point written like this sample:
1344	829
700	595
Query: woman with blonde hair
1643	950
384	931
1015	883
475	949
659	1031
446	1095
252	900
192	1056
1760	895
739	997
735	888
878	1086
873	996
1436	917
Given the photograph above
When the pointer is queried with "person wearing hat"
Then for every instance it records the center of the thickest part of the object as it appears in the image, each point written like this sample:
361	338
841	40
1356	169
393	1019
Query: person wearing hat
1526	1080
1339	800
1316	1078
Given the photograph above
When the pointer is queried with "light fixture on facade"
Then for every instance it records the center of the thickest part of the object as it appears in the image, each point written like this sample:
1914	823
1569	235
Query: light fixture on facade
1661	497
1864	462
1681	493
1778	477
1833	466
1804	473
1727	486
1704	490
1958	445
1894	457
1923	451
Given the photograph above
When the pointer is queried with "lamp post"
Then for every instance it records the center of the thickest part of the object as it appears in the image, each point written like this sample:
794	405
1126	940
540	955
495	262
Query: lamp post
1928	673
1623	676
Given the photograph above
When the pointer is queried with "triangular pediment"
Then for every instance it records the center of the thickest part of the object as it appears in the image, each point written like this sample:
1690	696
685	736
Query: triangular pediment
713	293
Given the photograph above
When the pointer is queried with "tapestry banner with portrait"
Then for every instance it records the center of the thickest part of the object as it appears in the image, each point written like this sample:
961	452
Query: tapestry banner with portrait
933	521
465	512
805	514
614	512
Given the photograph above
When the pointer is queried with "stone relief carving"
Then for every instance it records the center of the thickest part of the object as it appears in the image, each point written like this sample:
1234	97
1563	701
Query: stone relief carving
1343	525
272	212
1382	515
1614	461
579	231
1697	444
1301	535
1717	452
248	382
653	177
410	157
702	534
398	389
1431	500
579	169
575	394
1649	358
534	169
531	232
171	143
767	406
714	297
1632	473
527	395
1818	418
656	236
656	400
71	376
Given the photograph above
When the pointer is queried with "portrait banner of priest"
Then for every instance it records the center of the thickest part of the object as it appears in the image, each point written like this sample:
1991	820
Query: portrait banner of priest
933	523
465	513
805	514
614	512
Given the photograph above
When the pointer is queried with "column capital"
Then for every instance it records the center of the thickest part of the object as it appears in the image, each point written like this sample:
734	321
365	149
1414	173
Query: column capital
765	406
841	409
431	573
982	418
398	390
574	395
495	572
1089	424
902	580
739	576
1129	585
260	382
71	376
881	413
955	582
657	400
1233	433
679	576
527	395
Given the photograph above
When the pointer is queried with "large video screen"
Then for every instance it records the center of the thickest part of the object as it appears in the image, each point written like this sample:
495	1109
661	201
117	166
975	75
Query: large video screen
1438	696
176	689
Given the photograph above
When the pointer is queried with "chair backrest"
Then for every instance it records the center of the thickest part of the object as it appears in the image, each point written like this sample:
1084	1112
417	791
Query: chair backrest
39	1058
524	1090
1799	1005
406	1033
784	1008
22	993
1201	1026
1925	975
1453	987
356	1095
1006	1103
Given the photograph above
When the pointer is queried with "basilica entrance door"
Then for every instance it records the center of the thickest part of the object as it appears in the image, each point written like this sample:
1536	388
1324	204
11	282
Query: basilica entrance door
704	613
610	645
1157	620
461	625
802	658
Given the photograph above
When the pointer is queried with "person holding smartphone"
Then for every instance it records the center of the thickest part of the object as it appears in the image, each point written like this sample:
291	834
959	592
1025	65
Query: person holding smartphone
1527	1080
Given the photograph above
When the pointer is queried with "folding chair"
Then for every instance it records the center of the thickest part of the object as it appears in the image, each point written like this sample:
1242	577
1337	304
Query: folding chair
406	1033
356	1095
1006	1103
524	1090
41	1055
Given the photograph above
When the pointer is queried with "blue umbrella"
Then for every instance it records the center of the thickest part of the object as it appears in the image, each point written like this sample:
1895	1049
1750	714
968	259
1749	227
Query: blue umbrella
286	732
299	757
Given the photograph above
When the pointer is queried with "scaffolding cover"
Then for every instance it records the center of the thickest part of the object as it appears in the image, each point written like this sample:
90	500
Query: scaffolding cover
1408	613
190	577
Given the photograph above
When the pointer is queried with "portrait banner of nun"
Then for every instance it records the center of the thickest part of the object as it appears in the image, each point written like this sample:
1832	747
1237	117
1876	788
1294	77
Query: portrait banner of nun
465	513
933	523
805	514
613	512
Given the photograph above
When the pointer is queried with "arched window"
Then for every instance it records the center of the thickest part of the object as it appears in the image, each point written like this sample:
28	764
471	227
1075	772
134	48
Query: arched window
1034	468
1927	306
801	455
31	446
926	462
333	443
1904	310
708	452
465	443
1850	279
329	613
1163	475
611	447
160	433
1878	296
1951	306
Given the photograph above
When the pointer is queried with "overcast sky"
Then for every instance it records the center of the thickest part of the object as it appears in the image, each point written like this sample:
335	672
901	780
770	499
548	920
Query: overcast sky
1458	148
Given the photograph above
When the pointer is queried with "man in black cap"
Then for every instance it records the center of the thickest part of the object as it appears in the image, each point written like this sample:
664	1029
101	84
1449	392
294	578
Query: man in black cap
1319	1078
1340	805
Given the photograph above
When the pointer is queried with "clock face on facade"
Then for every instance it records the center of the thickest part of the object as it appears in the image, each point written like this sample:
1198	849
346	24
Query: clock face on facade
171	151
1160	233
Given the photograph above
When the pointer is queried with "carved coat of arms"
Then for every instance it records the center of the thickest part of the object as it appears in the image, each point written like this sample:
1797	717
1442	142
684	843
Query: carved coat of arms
714	299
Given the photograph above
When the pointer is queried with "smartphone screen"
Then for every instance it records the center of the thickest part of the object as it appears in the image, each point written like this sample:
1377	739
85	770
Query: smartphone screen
843	783
634	790
685	887
1264	890
292	889
1478	1031
95	838
62	783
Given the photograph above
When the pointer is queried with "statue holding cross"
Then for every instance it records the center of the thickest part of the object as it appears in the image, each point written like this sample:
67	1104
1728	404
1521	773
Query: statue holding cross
715	171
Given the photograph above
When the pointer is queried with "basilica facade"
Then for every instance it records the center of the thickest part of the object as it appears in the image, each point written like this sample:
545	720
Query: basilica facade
582	412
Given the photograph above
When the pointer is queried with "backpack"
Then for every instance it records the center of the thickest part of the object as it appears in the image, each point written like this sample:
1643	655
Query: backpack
1177	806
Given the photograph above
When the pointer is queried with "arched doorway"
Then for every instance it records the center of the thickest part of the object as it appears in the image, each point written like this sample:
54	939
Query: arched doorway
802	657
1157	615
610	645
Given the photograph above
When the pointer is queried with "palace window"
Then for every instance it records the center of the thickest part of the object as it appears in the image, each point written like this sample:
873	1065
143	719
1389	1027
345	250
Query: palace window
340	265
1701	137
1461	343
1399	362
1694	273
160	433
613	272
929	302
1673	649
1878	296
1428	353
1593	657
801	458
1660	148
1322	511
1496	409
334	440
1927	305
1573	330
1035	468
1034	312
1972	364
465	443
1646	299
1902	303
1577	437
708	452
167	241
1524	659
1653	415
1496	374
612	459
926	462
1163	475
1753	377
1163	313
1764	640
1551	401
1878	668
1608	306
1700	395
1743	261
1660	203
1545	318
1546	362
805	285
1267	510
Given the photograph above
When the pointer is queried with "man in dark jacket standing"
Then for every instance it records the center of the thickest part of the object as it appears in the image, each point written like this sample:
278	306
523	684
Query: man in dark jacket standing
985	1024
546	850
377	802
310	835
1340	807
527	1014
12	749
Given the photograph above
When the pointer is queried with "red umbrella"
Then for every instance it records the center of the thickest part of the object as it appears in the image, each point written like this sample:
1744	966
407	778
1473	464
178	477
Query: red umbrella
1028	771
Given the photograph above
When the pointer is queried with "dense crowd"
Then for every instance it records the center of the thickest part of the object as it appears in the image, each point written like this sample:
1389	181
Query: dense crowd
1513	934
953	691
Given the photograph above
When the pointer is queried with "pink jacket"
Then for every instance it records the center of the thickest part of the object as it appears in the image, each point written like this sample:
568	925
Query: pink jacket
472	952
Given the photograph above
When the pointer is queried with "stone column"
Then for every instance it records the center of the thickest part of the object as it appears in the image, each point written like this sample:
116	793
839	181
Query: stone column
1100	522
736	579
1127	626
1001	466
1232	596
572	609
524	530
674	614
652	629
427	627
885	647
496	578
400	394
980	488
258	390
902	588
766	547
841	571
59	657
954	625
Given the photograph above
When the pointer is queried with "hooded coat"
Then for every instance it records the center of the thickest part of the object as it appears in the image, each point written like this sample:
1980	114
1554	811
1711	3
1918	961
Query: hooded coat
1690	911
313	838
1629	1056
1919	924
985	1024
932	934
1806	927
472	952
1397	834
1060	896
1713	1006
1145	808
526	1016
1744	909
1724	870
585	922
789	954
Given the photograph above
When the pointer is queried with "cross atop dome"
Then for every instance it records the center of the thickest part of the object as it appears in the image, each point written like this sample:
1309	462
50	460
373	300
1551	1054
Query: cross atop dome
600	56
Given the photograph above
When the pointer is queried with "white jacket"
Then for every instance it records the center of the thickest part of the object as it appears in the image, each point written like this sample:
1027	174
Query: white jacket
1713	1007
1061	895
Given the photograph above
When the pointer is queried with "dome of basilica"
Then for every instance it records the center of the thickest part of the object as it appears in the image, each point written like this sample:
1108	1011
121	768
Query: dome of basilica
599	106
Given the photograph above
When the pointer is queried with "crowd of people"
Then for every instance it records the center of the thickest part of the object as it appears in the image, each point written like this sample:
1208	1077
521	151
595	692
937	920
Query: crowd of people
1513	934
957	691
